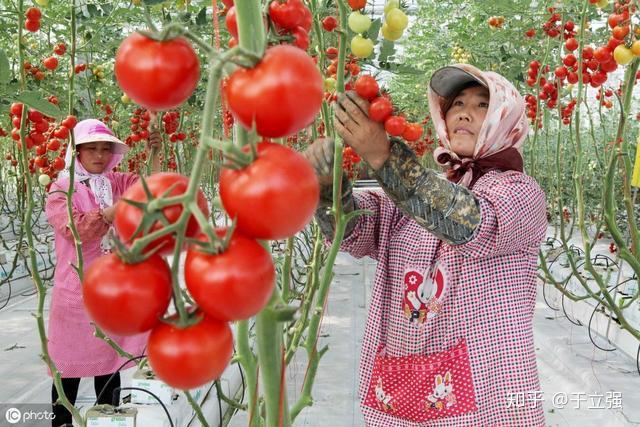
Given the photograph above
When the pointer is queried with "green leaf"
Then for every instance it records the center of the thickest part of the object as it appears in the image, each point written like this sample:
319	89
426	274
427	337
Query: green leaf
152	2
386	50
201	19
374	30
5	70
36	101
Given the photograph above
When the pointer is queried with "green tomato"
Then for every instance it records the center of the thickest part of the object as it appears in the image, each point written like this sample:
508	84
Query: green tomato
391	4
389	34
359	23
361	47
330	84
125	99
44	180
397	20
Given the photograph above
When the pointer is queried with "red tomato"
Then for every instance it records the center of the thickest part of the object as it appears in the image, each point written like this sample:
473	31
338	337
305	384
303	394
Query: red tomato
603	54
33	14
228	3
186	358
128	217
367	87
231	22
282	94
53	145
69	122
62	132
307	19
571	44
380	109
300	38
357	4
272	198
157	75
31	26
58	163
412	132
60	49
51	63
127	299
395	125
329	23
287	15
332	52
16	109
233	285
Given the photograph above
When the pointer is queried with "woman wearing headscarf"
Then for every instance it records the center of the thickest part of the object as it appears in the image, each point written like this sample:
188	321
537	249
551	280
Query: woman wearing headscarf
72	345
448	339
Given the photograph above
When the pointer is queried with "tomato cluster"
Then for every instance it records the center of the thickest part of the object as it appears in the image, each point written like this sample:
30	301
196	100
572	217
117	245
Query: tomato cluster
43	136
381	109
32	22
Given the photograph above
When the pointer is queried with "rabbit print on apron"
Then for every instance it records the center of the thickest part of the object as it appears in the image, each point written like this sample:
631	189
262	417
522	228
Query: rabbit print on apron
422	387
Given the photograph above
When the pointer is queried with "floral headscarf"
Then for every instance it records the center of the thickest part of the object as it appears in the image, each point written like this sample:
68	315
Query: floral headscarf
501	136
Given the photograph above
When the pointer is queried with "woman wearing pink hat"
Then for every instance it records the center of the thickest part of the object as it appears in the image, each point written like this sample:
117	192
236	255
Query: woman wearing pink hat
72	345
448	339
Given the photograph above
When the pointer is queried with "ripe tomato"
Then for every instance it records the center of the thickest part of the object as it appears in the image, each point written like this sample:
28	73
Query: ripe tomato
129	217
300	38
33	14
380	109
357	4
157	75
186	358
51	63
412	132
332	52
53	145
367	87
281	94
60	49
395	125
603	54
571	44
31	25
272	198
16	109
62	132
127	299
287	15
231	22
329	23
233	285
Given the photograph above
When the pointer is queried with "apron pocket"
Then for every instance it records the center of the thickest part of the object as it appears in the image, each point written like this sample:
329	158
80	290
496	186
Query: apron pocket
422	388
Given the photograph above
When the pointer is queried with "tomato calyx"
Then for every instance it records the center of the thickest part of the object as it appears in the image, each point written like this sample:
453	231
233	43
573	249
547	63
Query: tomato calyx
192	317
214	244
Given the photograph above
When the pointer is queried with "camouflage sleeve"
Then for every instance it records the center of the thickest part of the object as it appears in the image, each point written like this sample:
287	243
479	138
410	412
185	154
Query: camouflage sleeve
325	218
448	210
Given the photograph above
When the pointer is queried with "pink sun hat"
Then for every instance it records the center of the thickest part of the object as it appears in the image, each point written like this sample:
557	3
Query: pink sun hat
92	130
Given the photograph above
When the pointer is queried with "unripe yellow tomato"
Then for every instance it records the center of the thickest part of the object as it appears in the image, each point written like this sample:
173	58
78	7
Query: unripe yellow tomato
390	34
397	20
361	47
622	55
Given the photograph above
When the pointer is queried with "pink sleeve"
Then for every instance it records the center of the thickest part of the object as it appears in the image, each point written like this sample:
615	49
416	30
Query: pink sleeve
124	180
513	217
370	230
90	225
